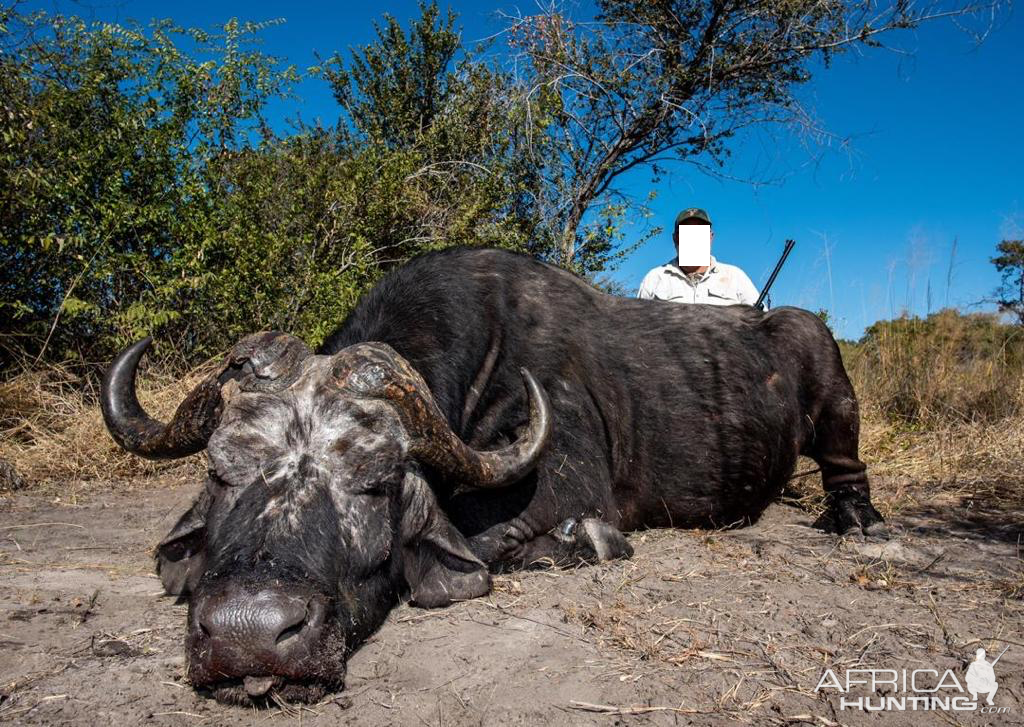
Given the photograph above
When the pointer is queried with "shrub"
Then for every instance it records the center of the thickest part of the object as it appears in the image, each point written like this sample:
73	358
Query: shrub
946	368
144	192
942	408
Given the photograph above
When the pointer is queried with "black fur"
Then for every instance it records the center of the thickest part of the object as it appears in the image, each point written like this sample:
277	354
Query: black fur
665	414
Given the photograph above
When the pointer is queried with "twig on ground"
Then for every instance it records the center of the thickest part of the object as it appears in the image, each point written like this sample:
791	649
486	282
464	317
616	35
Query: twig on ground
612	709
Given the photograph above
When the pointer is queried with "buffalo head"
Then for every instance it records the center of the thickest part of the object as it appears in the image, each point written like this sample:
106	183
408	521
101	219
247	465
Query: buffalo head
316	515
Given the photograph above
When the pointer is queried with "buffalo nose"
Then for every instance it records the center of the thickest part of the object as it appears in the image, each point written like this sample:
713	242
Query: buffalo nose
255	632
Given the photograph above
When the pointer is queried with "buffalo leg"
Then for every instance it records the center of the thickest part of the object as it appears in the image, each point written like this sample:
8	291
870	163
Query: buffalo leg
833	445
574	542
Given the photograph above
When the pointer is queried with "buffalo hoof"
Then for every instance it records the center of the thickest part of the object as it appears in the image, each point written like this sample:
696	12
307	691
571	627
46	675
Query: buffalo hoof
574	542
607	542
443	587
594	540
853	515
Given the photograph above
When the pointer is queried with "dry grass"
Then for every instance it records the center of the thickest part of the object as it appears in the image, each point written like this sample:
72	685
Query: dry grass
942	406
52	432
977	460
928	373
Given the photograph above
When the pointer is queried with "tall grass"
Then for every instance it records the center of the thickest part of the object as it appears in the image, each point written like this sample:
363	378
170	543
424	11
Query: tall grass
942	403
942	370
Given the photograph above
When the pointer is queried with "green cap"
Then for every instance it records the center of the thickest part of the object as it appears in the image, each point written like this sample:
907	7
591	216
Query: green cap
693	213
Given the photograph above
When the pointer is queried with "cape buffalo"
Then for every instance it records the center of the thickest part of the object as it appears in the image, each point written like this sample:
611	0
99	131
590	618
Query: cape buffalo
477	410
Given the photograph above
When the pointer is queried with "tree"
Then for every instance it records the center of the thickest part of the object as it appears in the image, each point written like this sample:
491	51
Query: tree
417	101
651	82
393	90
1010	264
144	193
112	149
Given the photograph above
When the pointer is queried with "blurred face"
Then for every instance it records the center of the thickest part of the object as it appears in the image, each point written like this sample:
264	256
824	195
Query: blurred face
692	239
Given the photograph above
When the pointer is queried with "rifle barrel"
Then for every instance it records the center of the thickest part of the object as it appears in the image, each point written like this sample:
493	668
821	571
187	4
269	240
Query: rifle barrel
775	272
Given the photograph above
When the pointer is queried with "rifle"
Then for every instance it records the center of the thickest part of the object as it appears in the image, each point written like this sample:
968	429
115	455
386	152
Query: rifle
1000	656
775	272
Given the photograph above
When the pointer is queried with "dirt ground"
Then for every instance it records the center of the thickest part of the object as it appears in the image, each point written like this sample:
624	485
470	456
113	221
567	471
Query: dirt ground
700	627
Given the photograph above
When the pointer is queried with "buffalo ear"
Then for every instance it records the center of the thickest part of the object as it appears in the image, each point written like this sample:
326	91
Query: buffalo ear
181	556
437	563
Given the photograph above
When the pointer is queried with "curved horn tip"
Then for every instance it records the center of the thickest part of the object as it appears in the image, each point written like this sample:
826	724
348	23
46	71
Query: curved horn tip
510	464
538	396
127	422
137	432
132	354
120	378
540	412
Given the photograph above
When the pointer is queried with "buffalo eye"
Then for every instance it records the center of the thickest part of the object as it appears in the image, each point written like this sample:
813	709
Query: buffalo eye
375	488
215	484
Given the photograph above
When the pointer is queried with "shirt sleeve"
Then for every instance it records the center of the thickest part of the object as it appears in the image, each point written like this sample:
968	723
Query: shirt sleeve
745	290
646	291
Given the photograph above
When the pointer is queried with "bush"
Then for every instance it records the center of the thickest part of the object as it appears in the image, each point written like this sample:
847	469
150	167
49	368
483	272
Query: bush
943	369
942	408
111	174
144	193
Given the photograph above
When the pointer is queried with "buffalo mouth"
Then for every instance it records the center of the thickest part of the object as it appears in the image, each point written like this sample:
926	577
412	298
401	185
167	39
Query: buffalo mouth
270	691
264	644
302	684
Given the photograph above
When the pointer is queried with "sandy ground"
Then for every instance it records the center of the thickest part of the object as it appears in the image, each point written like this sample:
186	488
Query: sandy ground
699	628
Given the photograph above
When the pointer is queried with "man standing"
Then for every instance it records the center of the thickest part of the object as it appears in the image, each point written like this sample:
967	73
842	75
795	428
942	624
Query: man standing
712	283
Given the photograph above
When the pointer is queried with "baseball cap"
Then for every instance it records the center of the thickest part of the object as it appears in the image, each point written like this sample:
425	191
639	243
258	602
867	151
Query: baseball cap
693	213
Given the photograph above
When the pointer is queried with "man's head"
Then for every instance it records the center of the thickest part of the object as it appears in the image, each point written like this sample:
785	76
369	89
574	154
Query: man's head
692	237
980	654
316	514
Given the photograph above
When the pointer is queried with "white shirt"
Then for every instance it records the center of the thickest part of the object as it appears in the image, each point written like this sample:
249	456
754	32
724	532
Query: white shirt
720	284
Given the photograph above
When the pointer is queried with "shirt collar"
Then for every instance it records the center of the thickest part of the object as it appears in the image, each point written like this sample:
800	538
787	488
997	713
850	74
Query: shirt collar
673	267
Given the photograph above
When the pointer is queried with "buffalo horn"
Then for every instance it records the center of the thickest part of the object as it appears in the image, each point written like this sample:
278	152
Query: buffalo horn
376	370
136	431
260	362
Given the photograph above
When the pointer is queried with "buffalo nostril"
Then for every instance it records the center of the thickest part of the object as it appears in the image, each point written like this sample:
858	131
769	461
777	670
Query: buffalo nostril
243	632
290	632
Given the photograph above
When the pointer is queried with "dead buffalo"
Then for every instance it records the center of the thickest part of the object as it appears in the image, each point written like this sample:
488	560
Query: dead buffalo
477	410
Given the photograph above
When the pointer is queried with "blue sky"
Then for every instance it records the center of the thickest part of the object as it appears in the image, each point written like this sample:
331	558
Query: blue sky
926	150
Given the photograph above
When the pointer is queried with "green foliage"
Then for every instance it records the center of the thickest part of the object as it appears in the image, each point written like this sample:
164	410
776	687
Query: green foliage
395	89
112	158
145	194
1010	264
419	96
825	317
143	191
